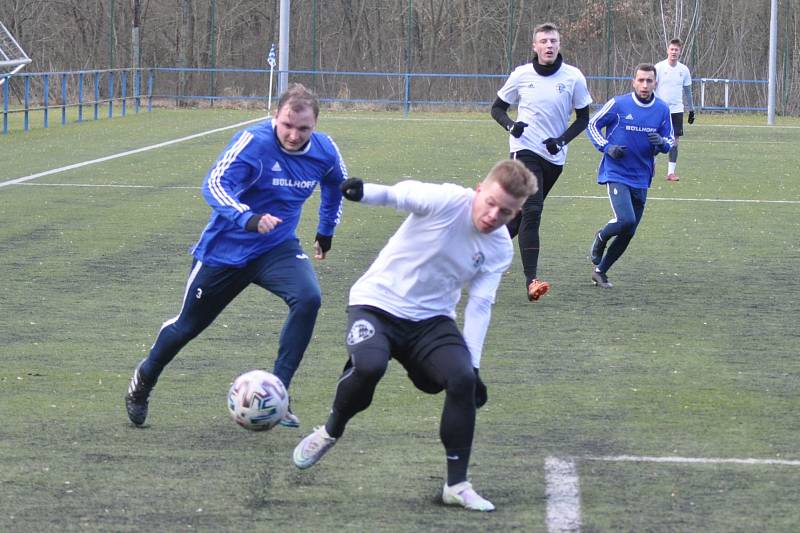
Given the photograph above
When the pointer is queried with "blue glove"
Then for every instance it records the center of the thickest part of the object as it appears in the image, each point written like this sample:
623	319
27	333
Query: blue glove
655	139
517	128
616	151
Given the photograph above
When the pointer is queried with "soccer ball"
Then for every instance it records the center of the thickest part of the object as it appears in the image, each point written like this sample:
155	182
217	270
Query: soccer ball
258	400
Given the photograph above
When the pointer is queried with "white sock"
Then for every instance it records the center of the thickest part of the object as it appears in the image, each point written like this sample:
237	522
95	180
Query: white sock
671	167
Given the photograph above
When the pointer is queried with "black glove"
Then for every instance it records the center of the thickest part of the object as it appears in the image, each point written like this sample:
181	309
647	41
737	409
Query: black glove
481	394
517	128
691	117
616	151
654	138
353	189
324	242
554	144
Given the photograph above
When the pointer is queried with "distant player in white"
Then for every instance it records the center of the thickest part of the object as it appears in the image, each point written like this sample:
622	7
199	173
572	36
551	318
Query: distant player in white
404	307
546	91
673	85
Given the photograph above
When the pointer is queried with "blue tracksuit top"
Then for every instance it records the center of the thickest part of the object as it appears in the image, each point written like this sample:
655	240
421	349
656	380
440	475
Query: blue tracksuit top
254	175
627	121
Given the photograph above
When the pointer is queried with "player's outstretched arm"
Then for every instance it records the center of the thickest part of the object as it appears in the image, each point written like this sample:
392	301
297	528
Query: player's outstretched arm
355	190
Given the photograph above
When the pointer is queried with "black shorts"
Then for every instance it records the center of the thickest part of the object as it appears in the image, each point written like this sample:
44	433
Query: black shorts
677	124
429	350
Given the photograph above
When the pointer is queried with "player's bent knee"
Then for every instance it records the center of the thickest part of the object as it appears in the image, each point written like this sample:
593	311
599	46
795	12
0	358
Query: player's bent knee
309	301
370	368
462	382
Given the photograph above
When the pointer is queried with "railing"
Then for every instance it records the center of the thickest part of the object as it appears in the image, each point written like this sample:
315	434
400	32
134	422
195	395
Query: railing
81	91
113	90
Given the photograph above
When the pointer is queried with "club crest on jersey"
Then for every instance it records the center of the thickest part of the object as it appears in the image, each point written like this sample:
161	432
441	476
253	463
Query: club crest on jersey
360	331
560	88
478	259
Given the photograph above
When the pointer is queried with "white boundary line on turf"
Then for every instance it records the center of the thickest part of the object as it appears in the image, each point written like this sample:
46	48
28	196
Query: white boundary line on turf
562	489
575	197
562	494
487	120
713	200
124	154
695	460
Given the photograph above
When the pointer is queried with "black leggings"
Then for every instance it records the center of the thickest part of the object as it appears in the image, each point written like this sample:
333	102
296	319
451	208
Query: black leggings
436	358
526	224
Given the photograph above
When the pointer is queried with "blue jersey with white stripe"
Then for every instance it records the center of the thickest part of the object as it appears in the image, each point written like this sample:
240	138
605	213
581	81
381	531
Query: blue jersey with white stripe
627	121
254	175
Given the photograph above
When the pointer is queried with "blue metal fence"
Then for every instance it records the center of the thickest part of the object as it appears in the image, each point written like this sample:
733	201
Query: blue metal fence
115	89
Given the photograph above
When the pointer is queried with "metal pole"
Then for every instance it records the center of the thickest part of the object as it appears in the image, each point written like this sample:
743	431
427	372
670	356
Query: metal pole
773	54
283	47
111	31
407	84
609	7
136	50
212	48
510	36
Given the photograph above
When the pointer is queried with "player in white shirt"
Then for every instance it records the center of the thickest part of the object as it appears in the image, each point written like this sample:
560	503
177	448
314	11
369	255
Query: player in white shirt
545	91
674	84
404	307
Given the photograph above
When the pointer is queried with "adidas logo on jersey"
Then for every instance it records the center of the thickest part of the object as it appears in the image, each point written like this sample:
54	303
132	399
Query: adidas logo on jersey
629	117
276	167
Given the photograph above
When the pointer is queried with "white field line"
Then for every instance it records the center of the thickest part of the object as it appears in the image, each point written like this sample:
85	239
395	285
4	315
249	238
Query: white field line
489	121
124	154
713	200
692	460
562	489
575	197
563	495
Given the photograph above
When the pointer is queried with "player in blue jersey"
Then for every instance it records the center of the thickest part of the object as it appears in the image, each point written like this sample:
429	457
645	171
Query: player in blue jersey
630	130
256	190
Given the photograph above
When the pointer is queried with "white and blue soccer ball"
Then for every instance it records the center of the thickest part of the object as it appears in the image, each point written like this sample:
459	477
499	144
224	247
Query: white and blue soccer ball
257	400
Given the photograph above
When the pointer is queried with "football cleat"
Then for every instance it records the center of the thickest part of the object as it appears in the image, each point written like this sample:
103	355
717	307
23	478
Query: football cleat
290	419
138	397
673	177
464	495
601	280
537	289
312	448
598	249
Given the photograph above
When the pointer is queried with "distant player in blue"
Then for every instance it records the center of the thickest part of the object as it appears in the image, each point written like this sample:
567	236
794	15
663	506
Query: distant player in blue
256	190
637	127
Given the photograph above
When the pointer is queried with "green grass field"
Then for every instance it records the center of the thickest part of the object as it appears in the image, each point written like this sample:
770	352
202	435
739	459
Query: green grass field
693	354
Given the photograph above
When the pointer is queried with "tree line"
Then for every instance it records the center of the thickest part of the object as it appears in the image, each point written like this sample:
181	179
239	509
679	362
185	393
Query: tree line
723	39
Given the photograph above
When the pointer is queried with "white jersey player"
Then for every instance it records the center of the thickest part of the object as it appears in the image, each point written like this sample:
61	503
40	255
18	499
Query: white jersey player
404	308
673	86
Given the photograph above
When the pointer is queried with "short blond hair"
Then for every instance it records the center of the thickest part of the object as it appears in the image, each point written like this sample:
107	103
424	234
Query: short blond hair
513	177
297	97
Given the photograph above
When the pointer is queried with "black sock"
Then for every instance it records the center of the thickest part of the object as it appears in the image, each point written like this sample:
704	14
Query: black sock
457	463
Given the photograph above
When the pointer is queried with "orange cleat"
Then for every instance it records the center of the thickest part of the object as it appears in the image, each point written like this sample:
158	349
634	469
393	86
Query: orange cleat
673	177
537	289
